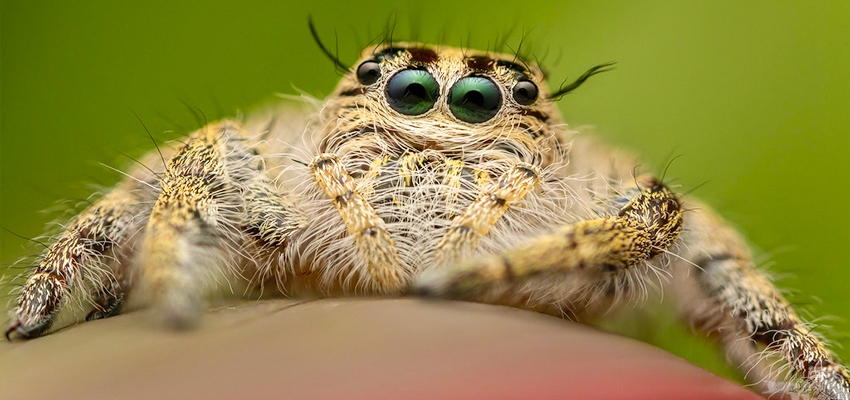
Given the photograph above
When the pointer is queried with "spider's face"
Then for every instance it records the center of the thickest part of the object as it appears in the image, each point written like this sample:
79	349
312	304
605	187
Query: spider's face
423	97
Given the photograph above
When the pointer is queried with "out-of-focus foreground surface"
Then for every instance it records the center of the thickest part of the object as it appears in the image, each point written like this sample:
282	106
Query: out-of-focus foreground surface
351	349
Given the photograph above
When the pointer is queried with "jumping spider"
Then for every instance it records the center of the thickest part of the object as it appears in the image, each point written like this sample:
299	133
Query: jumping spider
430	170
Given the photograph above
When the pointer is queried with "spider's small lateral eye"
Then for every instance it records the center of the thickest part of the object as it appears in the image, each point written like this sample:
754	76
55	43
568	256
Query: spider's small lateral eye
368	72
525	92
475	99
412	91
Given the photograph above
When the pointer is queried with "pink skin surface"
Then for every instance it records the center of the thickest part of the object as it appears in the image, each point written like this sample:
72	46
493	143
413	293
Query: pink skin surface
351	349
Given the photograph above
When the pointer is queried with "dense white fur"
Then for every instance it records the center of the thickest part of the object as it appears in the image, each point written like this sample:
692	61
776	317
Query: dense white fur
417	218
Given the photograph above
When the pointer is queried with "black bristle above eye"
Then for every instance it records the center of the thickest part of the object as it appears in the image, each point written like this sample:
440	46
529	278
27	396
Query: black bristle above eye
389	52
563	90
334	57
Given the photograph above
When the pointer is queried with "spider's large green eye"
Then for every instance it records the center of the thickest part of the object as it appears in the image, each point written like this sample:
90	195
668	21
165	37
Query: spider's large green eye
412	91
475	99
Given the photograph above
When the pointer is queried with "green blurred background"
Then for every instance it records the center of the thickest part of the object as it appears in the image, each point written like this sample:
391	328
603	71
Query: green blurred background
755	95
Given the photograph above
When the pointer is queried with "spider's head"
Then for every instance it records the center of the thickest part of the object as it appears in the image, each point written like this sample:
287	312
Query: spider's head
433	94
413	97
466	86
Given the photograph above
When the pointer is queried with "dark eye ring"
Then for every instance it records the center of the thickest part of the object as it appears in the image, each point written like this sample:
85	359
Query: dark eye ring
525	92
368	72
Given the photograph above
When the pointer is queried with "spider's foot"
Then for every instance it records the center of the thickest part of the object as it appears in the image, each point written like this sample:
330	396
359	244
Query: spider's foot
38	304
428	285
456	283
19	330
105	307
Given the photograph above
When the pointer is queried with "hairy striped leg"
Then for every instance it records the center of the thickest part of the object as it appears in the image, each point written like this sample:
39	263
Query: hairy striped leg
646	226
209	200
374	243
91	254
190	224
728	299
216	205
271	220
475	222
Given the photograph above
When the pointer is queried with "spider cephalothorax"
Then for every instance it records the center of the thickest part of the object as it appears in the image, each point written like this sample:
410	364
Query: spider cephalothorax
432	170
422	130
433	97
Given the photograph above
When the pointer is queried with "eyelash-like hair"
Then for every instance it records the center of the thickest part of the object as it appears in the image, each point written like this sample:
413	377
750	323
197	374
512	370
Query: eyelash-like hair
564	90
500	42
340	67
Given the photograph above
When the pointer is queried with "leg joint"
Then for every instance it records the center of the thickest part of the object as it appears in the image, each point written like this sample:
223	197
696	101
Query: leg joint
655	210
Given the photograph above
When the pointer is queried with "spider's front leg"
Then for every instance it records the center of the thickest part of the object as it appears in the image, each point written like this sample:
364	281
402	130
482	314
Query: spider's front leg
211	209
374	244
217	213
590	249
92	253
730	300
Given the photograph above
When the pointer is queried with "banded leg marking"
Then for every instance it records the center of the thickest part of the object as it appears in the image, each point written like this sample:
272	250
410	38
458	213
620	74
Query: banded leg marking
193	230
270	217
647	225
740	306
468	228
90	251
374	243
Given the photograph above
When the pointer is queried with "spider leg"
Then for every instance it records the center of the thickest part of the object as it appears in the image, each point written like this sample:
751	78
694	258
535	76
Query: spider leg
108	299
374	243
270	221
196	234
591	248
729	299
468	228
91	253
